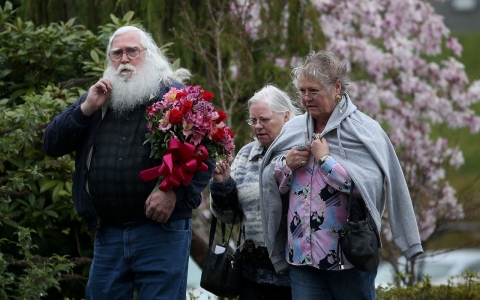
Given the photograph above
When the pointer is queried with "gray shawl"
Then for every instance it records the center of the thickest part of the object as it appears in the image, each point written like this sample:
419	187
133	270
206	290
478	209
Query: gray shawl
363	148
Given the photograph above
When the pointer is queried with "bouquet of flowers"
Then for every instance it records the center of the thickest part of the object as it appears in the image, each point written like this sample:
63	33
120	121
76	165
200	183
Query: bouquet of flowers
184	130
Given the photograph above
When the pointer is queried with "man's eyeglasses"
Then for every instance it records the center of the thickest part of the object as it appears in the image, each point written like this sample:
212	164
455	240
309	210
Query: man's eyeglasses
132	53
264	121
311	93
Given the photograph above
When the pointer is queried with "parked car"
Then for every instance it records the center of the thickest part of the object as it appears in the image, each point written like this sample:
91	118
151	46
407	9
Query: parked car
440	265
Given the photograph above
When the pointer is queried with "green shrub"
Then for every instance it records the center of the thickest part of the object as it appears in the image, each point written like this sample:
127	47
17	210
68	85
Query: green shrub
464	287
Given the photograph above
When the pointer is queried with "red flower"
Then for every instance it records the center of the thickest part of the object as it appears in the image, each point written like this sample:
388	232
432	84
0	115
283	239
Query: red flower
175	116
219	134
206	95
180	95
221	116
187	106
229	132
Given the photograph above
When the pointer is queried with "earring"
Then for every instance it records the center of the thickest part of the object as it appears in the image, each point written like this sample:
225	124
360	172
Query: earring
338	98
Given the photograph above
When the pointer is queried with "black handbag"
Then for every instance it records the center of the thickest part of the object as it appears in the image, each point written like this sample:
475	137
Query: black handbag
359	242
222	272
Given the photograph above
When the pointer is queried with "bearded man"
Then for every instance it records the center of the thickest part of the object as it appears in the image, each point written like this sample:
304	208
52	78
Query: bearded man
143	234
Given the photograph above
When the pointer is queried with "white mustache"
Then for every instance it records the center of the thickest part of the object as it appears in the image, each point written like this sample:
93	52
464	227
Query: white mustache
127	67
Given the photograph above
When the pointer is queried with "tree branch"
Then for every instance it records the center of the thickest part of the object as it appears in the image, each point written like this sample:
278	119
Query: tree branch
74	82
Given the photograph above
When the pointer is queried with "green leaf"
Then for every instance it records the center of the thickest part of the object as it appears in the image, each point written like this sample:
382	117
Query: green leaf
94	56
55	192
8	6
4	72
41	201
70	22
68	186
47	185
8	222
114	19
128	16
22	201
17	94
176	63
51	213
30	91
167	45
31	199
40	230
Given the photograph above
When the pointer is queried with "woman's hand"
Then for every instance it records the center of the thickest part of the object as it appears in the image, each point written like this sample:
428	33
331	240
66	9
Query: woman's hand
222	171
297	157
319	148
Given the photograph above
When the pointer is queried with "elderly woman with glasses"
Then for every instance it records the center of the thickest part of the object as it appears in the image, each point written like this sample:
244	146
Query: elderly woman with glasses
308	173
234	190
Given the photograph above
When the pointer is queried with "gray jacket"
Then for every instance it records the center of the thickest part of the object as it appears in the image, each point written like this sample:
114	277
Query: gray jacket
363	148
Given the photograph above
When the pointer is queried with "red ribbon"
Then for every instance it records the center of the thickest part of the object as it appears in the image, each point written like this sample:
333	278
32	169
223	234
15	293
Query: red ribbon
179	164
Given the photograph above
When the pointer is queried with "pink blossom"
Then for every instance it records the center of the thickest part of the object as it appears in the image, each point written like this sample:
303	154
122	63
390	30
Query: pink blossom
280	62
453	44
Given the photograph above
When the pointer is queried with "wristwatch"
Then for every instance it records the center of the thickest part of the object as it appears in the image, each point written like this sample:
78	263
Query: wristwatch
323	159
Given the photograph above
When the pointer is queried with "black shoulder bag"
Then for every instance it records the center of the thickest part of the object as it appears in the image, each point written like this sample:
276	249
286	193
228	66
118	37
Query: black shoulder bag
359	242
222	272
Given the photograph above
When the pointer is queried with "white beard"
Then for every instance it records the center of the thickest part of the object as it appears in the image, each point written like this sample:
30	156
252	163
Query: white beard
130	92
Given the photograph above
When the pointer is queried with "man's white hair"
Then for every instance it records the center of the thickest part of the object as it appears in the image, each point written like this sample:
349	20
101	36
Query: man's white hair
131	91
153	56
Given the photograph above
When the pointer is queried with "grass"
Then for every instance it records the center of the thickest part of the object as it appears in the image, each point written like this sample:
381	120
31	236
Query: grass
470	56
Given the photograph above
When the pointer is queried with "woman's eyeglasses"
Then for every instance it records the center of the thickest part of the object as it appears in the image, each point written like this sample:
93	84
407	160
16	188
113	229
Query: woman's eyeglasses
132	53
311	93
253	122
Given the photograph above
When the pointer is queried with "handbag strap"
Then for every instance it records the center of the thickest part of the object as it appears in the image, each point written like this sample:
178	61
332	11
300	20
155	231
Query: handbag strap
350	200
240	231
213	228
341	261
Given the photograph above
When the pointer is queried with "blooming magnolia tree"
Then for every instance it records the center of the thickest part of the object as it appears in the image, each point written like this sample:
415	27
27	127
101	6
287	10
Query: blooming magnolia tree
392	49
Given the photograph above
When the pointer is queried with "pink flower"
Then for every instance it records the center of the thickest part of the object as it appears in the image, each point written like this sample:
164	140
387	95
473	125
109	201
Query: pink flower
200	124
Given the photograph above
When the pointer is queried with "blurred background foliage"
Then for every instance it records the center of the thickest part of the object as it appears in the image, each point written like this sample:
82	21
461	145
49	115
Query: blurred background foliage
51	51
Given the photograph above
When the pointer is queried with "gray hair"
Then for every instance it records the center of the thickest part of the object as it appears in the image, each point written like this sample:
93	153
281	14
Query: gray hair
276	100
153	54
324	67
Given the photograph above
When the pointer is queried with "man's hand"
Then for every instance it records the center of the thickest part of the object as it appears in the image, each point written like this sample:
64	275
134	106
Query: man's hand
98	94
159	205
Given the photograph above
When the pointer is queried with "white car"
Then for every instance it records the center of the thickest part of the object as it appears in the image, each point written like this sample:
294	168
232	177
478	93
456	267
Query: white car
440	265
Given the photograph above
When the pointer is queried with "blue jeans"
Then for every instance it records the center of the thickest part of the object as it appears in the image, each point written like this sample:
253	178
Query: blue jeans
309	283
254	291
146	256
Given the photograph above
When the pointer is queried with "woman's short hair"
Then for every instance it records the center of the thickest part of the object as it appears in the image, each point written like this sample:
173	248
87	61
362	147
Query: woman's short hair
276	100
323	67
